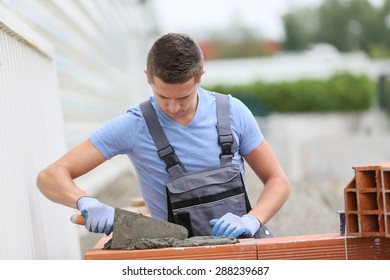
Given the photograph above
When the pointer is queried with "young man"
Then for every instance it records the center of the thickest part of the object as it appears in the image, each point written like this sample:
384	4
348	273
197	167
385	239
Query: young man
187	114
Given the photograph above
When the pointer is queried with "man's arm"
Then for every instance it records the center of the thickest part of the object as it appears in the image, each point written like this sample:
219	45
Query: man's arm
276	185
275	193
56	180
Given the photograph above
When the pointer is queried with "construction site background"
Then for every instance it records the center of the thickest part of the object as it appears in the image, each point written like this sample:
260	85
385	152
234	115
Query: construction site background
80	81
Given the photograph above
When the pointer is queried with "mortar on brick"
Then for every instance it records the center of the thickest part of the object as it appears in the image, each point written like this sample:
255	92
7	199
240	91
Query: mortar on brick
155	243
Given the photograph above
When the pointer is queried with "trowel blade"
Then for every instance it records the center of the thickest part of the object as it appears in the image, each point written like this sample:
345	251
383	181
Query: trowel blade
132	226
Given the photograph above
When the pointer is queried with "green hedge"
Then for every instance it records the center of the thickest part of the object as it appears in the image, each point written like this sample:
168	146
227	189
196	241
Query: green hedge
384	93
343	92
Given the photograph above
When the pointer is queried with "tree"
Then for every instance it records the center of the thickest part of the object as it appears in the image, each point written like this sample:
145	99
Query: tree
349	25
299	26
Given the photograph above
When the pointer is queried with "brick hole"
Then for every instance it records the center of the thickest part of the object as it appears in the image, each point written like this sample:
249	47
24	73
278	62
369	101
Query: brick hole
351	201
380	200
386	180
352	223
387	226
368	201
365	179
381	221
369	223
387	201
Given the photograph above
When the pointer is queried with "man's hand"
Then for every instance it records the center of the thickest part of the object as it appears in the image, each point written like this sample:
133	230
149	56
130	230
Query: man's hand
234	226
98	217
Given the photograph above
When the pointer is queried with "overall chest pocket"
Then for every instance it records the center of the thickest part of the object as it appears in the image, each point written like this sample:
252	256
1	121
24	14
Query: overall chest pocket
196	198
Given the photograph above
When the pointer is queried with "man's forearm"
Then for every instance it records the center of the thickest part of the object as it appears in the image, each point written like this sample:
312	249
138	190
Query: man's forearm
57	185
271	200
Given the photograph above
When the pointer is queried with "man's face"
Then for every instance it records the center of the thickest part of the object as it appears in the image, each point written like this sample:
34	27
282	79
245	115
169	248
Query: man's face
178	101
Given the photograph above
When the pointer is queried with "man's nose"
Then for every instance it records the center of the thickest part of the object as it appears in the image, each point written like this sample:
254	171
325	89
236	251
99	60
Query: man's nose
173	106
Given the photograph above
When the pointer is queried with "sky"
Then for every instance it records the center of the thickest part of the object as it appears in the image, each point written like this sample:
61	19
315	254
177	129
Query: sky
198	17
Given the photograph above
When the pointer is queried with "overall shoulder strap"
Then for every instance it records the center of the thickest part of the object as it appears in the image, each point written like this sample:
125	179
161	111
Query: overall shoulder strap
225	136
165	150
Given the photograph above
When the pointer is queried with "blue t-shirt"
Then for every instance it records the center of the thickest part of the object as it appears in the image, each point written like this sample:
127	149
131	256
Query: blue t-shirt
196	144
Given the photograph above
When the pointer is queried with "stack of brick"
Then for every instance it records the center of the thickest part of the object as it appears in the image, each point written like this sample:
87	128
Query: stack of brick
367	201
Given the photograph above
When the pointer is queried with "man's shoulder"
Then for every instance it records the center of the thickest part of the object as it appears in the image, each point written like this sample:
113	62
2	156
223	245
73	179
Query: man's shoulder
134	112
211	95
206	93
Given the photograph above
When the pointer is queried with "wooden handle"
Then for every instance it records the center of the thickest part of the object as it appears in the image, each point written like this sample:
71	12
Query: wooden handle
77	219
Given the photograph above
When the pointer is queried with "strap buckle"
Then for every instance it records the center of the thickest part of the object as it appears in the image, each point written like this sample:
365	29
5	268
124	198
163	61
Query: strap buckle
169	156
226	142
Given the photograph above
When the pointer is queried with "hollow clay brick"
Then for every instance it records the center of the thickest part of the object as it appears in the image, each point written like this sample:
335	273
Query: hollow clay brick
366	201
310	247
331	246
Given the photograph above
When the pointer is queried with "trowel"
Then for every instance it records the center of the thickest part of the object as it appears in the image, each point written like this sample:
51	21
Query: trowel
130	226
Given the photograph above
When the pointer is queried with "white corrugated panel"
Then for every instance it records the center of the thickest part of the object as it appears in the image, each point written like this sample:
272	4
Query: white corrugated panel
31	136
100	50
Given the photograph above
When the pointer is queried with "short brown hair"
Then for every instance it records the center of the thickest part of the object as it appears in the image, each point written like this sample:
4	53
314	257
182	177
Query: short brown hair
175	58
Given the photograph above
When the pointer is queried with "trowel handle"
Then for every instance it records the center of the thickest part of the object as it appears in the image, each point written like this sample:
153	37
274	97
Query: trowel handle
77	219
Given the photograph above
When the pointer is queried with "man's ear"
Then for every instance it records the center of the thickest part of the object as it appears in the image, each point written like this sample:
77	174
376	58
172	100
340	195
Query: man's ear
200	78
147	76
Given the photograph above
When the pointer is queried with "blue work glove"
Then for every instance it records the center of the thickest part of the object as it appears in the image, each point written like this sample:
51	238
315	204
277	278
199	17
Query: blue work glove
98	217
234	226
